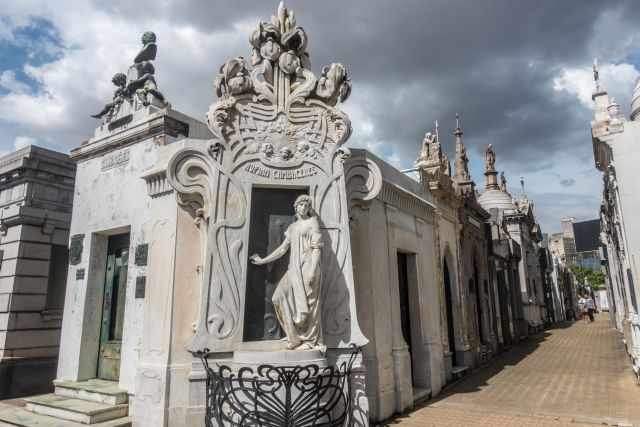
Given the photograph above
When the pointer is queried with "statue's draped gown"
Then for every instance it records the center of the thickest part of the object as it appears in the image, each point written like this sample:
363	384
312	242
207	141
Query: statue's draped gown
297	296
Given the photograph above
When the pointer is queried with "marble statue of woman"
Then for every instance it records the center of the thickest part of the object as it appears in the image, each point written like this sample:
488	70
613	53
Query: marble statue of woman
297	297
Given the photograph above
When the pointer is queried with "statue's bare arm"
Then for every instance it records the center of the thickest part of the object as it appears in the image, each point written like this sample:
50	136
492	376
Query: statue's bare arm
273	256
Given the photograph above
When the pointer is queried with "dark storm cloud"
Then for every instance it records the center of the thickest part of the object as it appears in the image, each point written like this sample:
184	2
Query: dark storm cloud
492	61
415	61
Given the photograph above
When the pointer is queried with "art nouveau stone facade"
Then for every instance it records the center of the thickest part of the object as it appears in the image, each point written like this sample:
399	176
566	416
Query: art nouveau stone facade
615	148
36	193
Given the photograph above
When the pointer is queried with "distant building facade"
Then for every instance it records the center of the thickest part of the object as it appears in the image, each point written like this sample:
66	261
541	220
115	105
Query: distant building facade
578	243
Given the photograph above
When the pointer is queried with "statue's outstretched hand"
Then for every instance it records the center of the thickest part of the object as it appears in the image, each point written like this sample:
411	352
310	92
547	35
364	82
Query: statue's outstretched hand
255	259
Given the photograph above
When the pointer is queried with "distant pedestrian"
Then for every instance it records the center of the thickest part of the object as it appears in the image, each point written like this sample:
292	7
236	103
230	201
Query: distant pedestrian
590	305
582	307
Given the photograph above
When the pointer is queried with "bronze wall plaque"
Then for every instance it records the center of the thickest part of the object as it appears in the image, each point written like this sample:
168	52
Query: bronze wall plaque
142	253
141	284
75	249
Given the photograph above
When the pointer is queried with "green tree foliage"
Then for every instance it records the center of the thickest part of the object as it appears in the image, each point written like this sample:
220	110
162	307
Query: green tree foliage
588	276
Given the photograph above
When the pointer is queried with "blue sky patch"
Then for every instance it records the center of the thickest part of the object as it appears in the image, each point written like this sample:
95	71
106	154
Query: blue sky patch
37	43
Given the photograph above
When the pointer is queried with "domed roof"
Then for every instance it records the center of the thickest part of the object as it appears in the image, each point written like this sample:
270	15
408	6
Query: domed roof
496	198
635	102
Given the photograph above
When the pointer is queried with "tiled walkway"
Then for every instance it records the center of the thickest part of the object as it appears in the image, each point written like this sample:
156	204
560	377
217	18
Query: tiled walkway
573	375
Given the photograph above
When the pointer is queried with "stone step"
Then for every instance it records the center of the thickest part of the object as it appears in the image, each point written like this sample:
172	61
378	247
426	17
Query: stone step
77	410
14	416
421	394
459	372
96	390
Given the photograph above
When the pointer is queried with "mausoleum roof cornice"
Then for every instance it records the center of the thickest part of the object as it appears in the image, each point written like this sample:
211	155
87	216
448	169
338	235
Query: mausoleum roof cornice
164	122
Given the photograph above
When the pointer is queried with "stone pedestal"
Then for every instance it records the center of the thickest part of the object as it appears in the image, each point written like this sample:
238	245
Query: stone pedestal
253	359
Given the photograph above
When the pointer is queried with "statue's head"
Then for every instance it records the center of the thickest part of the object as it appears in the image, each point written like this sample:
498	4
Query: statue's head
302	206
119	79
148	37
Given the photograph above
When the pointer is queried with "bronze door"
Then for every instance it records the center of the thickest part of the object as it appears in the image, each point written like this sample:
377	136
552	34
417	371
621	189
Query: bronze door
113	307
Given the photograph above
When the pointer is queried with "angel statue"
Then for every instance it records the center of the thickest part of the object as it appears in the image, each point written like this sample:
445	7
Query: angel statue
296	298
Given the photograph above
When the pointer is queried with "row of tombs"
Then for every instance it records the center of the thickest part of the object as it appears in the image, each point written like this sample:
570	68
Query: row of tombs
254	237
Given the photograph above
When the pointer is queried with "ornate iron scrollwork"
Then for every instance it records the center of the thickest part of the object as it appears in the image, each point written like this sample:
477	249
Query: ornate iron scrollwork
277	396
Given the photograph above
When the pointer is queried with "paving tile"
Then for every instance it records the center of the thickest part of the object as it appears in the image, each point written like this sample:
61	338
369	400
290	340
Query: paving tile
573	375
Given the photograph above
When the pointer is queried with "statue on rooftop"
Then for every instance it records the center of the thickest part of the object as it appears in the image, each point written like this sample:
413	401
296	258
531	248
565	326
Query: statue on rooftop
297	297
446	164
429	138
119	96
144	82
140	82
503	182
489	158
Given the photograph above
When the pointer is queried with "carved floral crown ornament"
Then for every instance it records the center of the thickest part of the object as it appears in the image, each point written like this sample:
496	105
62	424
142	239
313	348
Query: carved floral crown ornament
271	103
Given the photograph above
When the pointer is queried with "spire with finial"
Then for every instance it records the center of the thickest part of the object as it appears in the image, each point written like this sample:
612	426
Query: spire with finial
635	102
524	194
596	74
462	160
437	131
600	97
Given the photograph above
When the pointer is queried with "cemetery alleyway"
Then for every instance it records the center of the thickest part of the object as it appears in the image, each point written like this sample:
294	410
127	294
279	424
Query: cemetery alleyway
572	375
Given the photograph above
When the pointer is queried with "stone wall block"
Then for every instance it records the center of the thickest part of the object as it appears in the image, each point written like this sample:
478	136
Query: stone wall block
33	250
12	234
25	302
32	233
32	267
51	351
30	338
23	284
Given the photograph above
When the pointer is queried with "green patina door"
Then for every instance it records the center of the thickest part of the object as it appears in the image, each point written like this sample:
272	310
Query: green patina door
113	307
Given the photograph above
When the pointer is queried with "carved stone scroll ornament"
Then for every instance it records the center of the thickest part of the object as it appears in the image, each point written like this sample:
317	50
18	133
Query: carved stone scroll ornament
364	180
275	124
194	174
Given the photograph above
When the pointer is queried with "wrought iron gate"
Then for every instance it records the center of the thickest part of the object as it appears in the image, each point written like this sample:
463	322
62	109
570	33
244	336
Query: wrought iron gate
277	396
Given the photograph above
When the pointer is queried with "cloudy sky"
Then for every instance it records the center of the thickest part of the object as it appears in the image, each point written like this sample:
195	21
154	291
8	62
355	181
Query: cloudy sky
518	72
